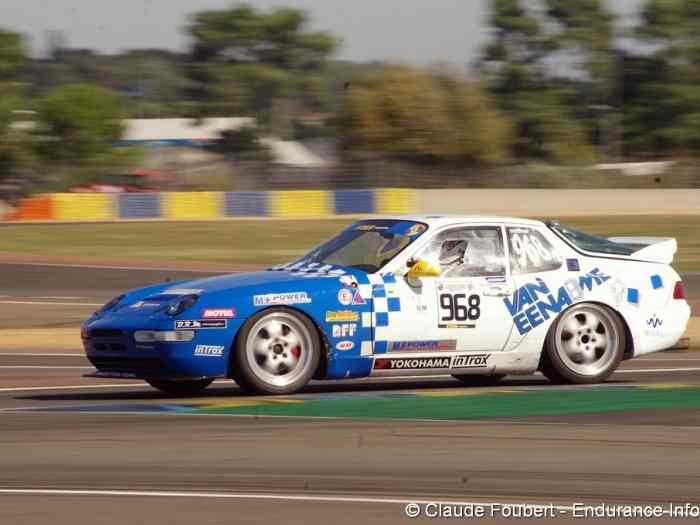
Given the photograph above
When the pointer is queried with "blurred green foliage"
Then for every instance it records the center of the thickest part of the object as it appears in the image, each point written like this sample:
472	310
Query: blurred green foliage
80	122
243	59
411	113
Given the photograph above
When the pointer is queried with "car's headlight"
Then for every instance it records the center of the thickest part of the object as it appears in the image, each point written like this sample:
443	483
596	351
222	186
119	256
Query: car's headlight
163	336
181	304
111	305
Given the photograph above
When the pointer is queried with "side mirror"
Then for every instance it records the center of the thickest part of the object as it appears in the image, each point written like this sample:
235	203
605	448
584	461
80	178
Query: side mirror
422	268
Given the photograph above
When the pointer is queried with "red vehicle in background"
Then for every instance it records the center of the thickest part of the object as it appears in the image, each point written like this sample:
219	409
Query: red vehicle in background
138	181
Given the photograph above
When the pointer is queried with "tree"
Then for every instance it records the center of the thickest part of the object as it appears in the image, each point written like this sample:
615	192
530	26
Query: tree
13	55
419	115
514	64
662	113
82	122
243	58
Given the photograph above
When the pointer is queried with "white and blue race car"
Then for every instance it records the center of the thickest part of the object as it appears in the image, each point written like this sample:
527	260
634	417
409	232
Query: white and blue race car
473	297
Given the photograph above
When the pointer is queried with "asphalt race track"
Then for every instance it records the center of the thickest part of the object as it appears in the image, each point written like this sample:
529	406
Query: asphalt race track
76	451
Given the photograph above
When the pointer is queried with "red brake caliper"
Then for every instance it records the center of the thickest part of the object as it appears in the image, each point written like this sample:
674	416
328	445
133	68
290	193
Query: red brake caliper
296	352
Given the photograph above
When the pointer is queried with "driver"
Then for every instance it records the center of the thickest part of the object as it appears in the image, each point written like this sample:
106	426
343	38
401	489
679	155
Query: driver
452	254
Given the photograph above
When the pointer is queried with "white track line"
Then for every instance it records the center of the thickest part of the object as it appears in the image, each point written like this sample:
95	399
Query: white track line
257	496
51	303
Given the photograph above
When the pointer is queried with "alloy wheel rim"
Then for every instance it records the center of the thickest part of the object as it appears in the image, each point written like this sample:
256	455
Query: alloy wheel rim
279	349
587	340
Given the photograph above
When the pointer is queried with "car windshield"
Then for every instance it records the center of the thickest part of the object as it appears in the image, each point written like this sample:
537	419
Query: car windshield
592	243
367	245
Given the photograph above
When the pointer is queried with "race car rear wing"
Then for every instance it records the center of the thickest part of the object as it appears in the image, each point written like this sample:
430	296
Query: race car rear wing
650	249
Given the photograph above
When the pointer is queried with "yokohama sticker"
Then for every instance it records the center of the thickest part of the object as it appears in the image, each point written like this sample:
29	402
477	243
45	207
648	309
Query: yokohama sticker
412	363
219	313
281	299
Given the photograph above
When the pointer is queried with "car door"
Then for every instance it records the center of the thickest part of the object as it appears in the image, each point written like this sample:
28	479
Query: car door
462	308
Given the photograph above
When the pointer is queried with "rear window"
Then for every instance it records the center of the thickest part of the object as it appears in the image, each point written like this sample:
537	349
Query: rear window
592	243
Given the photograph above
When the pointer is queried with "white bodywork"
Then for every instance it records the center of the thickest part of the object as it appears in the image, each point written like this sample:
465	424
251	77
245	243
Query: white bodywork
517	310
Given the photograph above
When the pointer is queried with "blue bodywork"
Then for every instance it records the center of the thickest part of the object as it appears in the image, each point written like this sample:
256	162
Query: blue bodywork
109	336
338	299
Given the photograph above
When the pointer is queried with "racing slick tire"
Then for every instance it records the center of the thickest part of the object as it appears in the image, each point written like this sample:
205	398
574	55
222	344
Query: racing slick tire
585	345
180	388
479	380
276	352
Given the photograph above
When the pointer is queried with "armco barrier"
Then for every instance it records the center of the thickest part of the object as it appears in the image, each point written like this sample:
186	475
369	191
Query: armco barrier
139	206
311	203
192	205
84	206
212	205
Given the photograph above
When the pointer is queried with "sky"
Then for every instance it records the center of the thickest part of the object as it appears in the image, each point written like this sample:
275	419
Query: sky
418	31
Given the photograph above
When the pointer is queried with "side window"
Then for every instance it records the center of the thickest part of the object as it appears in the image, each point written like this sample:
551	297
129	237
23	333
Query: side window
467	252
530	252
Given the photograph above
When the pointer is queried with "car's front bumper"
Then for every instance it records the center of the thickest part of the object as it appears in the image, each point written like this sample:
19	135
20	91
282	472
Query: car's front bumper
113	351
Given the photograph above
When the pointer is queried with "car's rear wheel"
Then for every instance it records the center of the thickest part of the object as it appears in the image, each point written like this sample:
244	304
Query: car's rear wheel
585	345
277	351
180	388
479	380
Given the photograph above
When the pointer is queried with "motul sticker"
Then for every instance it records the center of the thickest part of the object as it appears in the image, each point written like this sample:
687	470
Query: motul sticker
219	313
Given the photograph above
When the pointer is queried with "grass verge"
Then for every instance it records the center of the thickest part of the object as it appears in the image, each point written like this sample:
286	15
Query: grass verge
268	241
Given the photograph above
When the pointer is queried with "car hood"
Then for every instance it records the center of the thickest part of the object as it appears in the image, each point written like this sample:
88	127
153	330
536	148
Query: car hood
243	292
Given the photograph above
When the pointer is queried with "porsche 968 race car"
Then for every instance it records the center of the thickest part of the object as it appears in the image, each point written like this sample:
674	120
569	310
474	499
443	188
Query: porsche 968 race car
473	297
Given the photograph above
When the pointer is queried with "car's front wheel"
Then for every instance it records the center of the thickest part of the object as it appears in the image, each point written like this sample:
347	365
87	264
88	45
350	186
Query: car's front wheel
180	388
585	345
277	351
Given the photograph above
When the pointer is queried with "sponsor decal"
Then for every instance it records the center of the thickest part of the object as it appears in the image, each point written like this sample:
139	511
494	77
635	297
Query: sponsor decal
654	326
345	296
345	345
342	316
573	265
657	282
281	299
344	330
209	350
655	322
219	313
470	361
450	326
348	280
182	291
418	363
422	346
146	304
416	229
633	296
370	227
357	297
201	324
534	303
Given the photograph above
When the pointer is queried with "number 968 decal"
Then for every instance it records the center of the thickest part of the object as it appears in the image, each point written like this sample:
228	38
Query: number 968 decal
456	309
